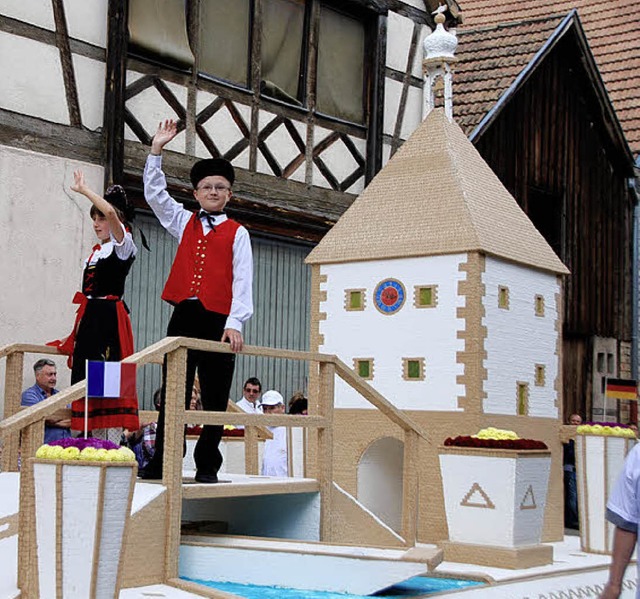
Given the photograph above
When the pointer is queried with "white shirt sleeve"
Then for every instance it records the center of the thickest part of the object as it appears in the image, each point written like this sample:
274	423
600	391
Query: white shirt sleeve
126	248
242	287
171	214
623	501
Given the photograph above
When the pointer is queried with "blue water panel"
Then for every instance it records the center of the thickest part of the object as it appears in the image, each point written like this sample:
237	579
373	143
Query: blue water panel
418	586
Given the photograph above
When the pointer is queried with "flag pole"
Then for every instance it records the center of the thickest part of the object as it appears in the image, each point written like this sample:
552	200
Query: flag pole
86	398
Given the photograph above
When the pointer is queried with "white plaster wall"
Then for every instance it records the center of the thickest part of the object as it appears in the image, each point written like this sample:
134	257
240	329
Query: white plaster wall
90	81
36	12
87	21
31	76
392	92
45	234
399	33
412	112
380	480
419	4
416	68
411	332
517	339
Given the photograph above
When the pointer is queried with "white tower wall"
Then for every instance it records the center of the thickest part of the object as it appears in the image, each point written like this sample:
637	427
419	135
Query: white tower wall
518	339
429	333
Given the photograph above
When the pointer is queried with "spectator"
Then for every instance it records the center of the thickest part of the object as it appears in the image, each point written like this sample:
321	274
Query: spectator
143	441
45	386
274	459
298	404
623	510
250	400
570	487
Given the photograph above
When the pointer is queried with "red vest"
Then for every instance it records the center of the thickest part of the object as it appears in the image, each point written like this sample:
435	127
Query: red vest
203	266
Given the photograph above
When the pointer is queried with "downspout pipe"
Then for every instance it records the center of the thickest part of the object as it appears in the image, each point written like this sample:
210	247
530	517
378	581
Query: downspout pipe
633	185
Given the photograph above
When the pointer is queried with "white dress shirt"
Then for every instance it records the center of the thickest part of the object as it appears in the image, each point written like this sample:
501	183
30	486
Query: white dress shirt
174	218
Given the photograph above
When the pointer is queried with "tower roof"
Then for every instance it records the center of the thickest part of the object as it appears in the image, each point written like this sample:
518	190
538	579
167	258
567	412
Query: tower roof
435	196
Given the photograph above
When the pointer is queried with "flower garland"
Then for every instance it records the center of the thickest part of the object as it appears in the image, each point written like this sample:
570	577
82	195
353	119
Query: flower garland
494	438
90	450
606	429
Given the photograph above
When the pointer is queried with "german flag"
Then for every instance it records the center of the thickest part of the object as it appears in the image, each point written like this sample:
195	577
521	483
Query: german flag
622	389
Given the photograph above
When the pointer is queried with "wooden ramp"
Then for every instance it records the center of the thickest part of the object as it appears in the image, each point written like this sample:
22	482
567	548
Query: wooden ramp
245	485
302	565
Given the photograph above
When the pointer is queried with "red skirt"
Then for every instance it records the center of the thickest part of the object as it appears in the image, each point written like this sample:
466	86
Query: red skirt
102	331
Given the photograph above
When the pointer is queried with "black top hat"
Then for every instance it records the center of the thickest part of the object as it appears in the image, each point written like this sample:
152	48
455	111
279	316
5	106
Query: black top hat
117	197
212	166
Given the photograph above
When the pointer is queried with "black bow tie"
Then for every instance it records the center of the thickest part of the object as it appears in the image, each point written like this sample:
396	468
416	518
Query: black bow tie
209	217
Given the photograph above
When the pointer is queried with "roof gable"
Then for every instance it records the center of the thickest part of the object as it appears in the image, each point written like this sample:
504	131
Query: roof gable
613	32
435	196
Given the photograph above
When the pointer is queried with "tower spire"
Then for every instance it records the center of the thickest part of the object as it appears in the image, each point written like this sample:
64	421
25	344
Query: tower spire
438	48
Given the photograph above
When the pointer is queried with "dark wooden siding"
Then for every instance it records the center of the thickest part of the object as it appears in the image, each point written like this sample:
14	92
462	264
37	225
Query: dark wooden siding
550	148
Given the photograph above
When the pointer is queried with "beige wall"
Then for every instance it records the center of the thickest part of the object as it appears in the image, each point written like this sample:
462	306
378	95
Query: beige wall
355	430
45	234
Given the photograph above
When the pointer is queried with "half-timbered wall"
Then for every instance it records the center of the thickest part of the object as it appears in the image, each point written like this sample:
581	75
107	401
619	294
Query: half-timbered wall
549	147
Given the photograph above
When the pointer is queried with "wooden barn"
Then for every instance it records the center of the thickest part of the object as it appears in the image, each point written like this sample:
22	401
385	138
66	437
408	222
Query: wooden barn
531	97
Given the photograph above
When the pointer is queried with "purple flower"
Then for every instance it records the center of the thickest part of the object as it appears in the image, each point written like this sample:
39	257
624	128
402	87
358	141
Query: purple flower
81	443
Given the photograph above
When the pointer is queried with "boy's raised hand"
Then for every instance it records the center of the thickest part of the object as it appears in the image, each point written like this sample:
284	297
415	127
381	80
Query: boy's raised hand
167	130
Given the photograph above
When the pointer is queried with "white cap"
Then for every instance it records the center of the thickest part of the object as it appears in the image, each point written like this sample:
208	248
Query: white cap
271	398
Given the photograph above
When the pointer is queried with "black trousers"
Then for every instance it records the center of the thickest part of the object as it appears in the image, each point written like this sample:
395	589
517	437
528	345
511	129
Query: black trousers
215	372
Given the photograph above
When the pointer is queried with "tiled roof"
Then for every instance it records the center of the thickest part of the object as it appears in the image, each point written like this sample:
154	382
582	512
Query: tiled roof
435	196
489	59
612	28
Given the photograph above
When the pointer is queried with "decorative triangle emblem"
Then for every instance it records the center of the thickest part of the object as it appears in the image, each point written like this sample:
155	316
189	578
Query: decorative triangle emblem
528	501
477	497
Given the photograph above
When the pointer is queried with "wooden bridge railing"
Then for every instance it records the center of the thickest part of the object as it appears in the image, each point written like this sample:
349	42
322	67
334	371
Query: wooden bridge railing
26	426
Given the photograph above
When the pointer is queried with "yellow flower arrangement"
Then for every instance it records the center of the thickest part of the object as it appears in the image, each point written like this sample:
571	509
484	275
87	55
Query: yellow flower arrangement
606	430
497	434
90	450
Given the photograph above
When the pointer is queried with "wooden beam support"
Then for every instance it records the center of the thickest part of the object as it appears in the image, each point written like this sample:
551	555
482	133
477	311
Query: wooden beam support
172	462
410	479
244	419
325	447
66	60
27	550
251	456
12	398
35	135
113	128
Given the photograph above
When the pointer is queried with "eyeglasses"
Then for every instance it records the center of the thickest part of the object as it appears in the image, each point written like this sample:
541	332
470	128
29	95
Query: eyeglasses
252	390
218	188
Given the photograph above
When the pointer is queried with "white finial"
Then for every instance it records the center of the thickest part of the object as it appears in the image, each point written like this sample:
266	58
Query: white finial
438	48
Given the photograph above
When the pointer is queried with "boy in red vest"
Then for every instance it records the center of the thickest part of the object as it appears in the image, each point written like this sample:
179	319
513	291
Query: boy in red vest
210	287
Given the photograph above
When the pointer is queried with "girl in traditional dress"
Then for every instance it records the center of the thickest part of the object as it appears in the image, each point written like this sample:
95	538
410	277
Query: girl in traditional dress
102	330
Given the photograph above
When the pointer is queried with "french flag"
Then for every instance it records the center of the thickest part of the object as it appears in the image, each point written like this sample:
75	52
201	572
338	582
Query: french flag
111	380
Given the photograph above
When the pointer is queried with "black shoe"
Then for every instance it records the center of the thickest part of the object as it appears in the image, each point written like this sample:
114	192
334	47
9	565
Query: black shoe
209	479
149	474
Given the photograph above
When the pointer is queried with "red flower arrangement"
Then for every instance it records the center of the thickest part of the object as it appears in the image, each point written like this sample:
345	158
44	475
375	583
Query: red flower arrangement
468	441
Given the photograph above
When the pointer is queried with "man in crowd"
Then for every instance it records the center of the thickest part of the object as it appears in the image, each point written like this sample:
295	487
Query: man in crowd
570	485
45	386
275	459
250	401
